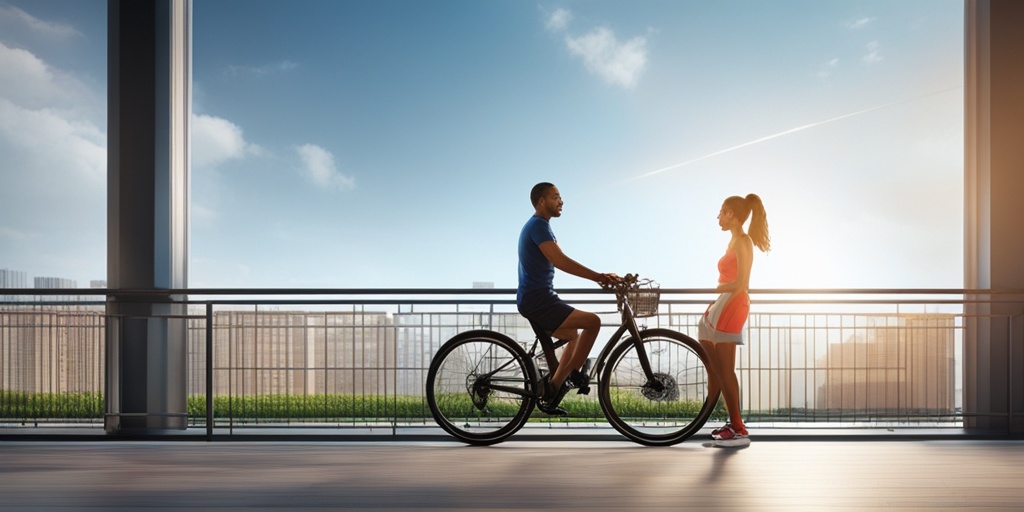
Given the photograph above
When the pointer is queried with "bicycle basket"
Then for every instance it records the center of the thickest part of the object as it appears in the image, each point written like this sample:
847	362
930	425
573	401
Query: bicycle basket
645	298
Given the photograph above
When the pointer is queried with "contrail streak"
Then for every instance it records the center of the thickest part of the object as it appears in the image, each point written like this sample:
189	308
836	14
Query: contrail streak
787	132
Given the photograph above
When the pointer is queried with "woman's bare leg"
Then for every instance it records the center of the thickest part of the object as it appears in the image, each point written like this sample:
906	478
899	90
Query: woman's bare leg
714	386
730	384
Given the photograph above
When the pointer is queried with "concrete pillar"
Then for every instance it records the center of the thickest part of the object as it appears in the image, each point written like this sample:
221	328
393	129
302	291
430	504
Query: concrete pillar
149	93
993	187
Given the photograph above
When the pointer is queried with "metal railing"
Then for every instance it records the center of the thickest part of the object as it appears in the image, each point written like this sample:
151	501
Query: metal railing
358	358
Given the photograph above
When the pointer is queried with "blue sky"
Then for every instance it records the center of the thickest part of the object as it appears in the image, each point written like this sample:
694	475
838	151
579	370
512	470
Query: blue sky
394	143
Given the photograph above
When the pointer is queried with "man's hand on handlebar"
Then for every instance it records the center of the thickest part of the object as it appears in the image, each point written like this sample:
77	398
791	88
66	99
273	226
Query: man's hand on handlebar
613	281
608	280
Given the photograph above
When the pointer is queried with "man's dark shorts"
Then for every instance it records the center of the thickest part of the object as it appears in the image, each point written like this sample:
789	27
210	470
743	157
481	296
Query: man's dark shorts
551	316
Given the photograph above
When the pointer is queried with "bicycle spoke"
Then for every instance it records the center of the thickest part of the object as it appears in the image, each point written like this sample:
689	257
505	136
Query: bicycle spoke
662	410
479	389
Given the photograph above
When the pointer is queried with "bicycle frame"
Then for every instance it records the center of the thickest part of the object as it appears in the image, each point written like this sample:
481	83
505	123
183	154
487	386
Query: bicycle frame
628	324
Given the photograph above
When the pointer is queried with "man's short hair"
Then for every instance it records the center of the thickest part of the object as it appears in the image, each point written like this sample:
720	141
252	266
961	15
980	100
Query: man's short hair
538	192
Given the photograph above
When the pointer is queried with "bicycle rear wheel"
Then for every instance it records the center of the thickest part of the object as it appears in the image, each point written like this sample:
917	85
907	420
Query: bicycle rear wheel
480	387
668	410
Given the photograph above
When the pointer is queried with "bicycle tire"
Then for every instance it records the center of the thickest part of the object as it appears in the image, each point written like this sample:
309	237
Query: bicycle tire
645	414
460	393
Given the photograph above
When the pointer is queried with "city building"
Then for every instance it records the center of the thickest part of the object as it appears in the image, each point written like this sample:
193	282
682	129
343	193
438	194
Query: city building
54	283
58	283
12	279
295	353
901	364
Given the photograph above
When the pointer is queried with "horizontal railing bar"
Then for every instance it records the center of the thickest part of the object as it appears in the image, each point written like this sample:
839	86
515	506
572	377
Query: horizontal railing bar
145	414
485	291
52	303
404	301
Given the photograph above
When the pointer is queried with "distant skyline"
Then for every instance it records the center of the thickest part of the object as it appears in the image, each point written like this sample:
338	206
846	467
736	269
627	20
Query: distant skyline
13	278
394	143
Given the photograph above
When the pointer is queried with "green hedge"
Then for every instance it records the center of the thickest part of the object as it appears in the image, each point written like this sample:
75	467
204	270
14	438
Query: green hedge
22	405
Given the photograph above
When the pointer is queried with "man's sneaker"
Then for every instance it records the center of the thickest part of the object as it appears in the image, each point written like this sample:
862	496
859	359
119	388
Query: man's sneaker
549	400
580	381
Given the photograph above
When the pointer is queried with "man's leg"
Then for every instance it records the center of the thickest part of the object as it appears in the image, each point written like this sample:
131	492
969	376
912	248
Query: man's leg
572	337
579	346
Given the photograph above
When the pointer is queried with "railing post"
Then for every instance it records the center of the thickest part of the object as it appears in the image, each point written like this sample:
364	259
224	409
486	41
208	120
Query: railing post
209	371
1010	376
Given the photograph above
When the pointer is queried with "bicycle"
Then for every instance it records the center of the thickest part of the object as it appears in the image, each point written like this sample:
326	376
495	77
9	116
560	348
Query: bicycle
652	384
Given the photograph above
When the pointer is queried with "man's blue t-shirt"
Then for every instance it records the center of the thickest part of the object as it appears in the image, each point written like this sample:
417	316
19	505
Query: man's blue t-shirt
536	273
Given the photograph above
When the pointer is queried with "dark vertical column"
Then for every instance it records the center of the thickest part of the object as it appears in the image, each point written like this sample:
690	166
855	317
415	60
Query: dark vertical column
994	180
149	107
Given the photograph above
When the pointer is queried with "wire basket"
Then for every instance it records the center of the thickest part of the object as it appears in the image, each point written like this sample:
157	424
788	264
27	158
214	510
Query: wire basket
645	299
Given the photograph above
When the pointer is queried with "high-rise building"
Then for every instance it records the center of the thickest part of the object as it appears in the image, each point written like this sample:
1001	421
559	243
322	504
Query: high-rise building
13	278
55	282
58	283
297	353
903	364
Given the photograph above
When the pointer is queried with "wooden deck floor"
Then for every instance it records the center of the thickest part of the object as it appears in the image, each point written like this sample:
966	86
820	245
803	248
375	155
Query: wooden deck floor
526	475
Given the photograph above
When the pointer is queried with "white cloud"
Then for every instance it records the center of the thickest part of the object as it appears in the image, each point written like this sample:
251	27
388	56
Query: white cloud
42	108
82	145
318	165
558	20
216	140
873	54
617	63
27	80
10	15
12	234
828	68
860	23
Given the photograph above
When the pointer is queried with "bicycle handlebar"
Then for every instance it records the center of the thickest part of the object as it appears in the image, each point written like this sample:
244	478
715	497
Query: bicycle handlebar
627	283
641	295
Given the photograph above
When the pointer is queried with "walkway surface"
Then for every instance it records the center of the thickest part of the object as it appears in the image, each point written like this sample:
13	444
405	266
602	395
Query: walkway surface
587	475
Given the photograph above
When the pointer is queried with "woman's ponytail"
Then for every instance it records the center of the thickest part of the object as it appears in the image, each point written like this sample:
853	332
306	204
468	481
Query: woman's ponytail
758	223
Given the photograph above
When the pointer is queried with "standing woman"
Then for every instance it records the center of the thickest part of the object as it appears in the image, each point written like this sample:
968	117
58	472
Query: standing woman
721	328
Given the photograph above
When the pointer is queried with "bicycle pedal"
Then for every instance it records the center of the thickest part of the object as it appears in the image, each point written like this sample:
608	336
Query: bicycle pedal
580	379
583	390
552	411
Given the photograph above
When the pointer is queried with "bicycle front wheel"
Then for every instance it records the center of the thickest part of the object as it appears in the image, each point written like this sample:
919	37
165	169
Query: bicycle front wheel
664	410
480	387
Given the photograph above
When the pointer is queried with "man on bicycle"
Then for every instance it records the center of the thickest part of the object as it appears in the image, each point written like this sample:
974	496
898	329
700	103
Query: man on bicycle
539	256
